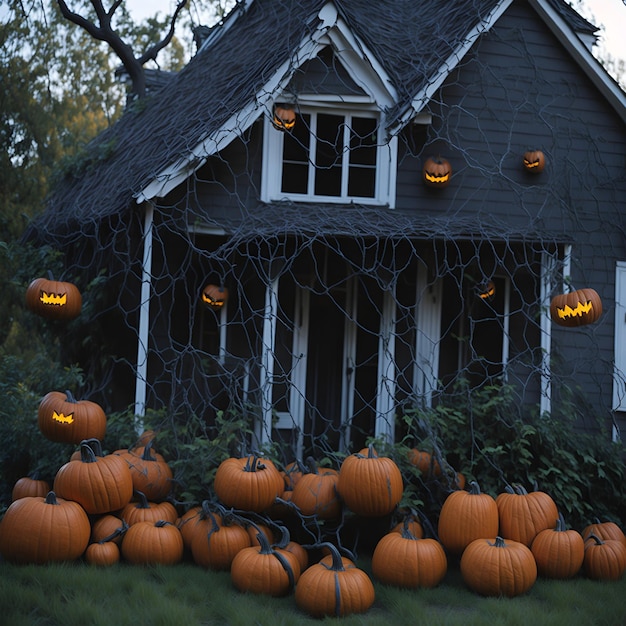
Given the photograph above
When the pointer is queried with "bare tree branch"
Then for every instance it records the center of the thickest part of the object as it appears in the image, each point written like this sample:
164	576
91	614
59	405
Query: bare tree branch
105	32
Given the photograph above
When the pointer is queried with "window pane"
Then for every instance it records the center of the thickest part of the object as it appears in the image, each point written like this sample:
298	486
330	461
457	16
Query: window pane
328	154
363	141
362	182
296	146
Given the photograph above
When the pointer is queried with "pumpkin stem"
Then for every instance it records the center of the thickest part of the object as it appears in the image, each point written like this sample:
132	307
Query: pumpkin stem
499	543
560	523
311	465
147	452
406	531
474	488
51	498
520	490
87	455
162	523
70	396
95	445
595	538
116	533
337	565
285	537
143	501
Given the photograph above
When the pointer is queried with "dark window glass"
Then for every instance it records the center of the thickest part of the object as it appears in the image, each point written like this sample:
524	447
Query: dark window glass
328	154
296	149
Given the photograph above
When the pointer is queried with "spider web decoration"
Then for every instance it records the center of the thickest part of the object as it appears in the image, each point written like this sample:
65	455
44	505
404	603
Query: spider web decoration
344	320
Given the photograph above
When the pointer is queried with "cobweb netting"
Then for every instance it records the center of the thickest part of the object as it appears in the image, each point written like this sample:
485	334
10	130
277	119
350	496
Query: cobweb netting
341	323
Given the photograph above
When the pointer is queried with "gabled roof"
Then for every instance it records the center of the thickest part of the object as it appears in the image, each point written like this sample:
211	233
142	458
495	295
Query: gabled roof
398	51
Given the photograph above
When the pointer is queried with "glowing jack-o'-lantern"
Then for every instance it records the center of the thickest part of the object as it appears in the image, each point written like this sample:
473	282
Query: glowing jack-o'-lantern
534	161
436	172
284	117
64	419
486	290
53	299
577	308
214	296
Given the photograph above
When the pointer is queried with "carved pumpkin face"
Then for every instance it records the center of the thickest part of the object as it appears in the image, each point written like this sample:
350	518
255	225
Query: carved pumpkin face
576	308
437	172
53	299
487	290
284	117
534	161
214	296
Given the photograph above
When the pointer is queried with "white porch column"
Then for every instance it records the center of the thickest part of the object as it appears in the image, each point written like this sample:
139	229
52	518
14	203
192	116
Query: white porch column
144	320
264	427
385	397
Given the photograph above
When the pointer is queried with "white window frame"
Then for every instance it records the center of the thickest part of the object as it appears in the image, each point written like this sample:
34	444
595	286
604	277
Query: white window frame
386	161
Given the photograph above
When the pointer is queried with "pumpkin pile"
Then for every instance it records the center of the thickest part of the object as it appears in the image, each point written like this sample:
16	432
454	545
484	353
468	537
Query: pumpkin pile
107	507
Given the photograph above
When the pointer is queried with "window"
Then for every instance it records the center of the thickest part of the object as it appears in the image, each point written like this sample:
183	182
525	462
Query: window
330	156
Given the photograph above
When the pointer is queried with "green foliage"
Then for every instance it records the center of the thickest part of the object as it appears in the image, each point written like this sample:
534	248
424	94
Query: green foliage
194	450
481	433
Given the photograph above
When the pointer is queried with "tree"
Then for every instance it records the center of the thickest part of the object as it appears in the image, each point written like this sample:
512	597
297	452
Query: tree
105	31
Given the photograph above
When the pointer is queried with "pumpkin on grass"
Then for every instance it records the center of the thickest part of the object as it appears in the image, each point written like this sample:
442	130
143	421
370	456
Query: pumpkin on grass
43	530
102	553
495	567
265	570
315	493
604	530
404	560
523	515
217	540
249	483
334	587
370	485
100	484
558	552
145	511
152	543
604	559
466	516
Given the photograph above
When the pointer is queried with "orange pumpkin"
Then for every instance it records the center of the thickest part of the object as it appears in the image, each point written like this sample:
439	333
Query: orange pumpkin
42	530
214	296
54	299
436	172
64	419
577	308
534	161
284	117
466	516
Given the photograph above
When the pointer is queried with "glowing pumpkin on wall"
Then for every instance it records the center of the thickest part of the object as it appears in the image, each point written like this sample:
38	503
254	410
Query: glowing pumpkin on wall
577	308
214	296
486	290
436	172
284	117
53	299
534	161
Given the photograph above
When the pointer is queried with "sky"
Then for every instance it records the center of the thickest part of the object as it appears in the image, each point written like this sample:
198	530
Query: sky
608	13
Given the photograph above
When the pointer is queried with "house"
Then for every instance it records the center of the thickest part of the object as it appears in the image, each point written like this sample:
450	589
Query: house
360	261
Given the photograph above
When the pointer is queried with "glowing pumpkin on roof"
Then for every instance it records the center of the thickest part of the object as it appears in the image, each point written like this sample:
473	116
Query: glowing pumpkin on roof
284	117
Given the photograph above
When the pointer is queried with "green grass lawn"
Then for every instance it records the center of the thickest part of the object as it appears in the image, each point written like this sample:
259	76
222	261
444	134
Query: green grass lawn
185	594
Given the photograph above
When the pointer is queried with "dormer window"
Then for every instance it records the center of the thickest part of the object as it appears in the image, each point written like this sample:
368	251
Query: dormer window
331	155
